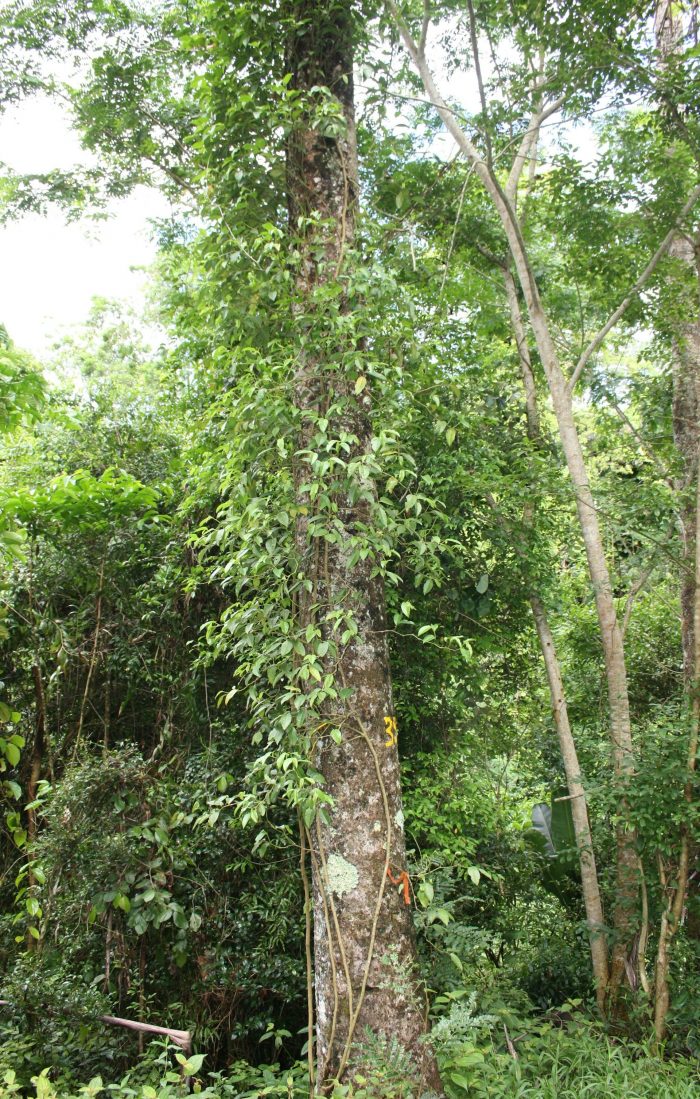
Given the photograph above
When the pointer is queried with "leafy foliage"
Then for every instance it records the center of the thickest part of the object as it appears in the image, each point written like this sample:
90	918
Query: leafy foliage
157	689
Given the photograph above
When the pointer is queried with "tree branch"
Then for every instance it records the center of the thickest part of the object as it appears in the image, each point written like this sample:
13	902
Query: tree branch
527	144
480	82
447	115
649	451
629	298
424	28
634	591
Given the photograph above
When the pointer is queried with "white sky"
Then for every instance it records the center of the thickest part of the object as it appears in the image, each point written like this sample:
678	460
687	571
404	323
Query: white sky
50	270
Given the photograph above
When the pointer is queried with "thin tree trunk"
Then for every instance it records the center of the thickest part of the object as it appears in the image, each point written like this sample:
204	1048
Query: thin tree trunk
93	661
39	742
106	712
686	374
627	885
37	751
686	431
671	917
35	766
579	808
584	841
364	948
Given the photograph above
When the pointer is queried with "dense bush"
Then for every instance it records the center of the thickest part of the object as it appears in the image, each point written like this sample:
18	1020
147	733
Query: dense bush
564	1060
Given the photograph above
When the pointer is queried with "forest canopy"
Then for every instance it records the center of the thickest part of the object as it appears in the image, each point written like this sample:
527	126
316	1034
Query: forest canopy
350	586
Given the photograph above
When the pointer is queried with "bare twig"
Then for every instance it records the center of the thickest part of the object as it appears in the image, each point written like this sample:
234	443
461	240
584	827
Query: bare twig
181	1038
509	1044
453	236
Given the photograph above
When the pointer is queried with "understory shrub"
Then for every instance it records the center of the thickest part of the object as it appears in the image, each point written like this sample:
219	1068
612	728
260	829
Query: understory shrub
574	1061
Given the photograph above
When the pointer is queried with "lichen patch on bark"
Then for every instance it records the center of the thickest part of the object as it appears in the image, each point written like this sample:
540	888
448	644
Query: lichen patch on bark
342	875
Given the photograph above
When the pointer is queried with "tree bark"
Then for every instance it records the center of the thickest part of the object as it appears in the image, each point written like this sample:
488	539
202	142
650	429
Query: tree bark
369	1003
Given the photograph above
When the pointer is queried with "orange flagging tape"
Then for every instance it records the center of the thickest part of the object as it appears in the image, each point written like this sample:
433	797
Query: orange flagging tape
404	880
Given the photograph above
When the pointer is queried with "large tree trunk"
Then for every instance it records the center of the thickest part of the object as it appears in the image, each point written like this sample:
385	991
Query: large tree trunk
366	989
577	794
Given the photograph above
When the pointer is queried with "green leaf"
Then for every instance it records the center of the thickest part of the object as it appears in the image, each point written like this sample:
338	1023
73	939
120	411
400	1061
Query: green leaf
443	915
426	893
460	1081
191	1065
360	384
12	752
473	1057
